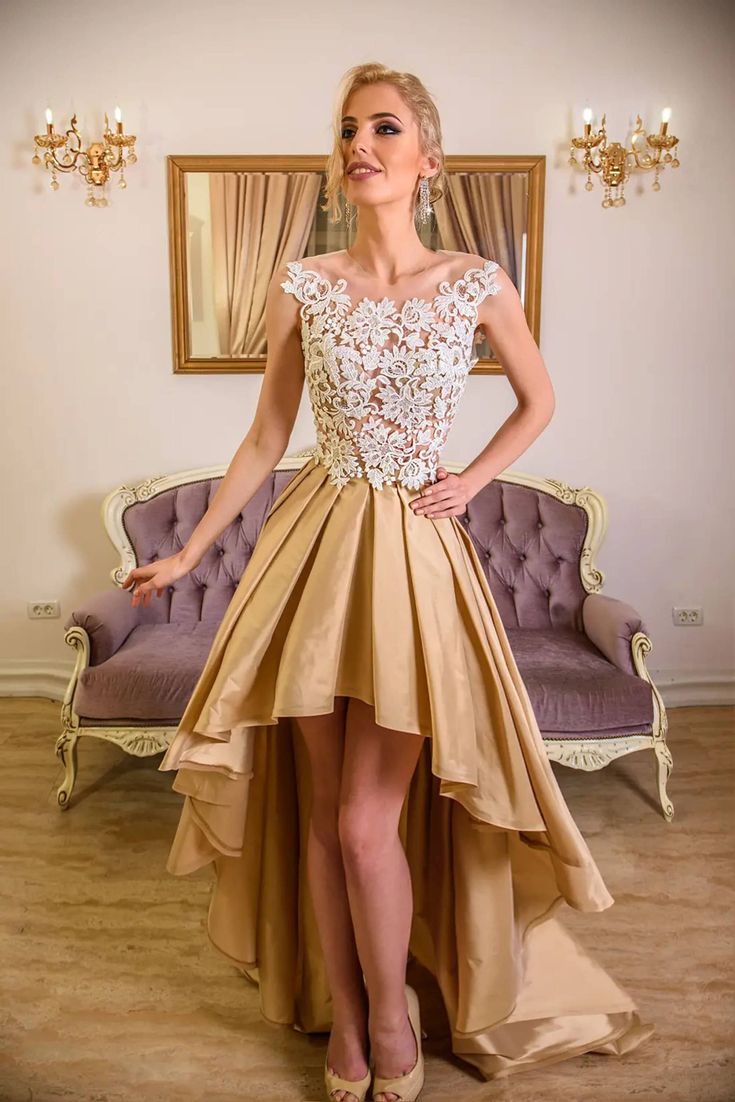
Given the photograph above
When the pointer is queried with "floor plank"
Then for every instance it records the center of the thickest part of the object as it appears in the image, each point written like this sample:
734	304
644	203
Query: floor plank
111	991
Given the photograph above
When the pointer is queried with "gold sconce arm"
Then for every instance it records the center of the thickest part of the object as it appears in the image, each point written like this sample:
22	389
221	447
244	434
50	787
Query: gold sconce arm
614	163
94	163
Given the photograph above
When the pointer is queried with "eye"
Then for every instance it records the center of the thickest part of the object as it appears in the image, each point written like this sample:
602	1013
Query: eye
348	131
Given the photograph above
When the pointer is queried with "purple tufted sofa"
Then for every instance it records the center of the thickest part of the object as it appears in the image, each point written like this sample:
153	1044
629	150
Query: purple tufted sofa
581	654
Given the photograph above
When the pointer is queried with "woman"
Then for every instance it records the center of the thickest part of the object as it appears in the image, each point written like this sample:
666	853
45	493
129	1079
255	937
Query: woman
364	616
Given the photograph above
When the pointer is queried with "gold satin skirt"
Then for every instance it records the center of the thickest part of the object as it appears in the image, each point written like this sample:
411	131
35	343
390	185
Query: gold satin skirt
349	593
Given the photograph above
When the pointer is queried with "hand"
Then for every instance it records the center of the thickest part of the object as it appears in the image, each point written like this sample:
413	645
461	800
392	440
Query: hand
447	497
155	575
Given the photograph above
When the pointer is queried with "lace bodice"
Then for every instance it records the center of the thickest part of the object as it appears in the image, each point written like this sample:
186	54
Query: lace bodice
384	381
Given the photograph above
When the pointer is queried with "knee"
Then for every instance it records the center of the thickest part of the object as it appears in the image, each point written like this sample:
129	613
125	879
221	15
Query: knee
325	820
365	834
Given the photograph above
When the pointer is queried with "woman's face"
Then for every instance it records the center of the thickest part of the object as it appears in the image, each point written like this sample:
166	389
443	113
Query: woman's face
379	129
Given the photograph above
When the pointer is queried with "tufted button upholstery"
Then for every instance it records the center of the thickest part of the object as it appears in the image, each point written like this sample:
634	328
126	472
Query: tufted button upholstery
543	638
500	522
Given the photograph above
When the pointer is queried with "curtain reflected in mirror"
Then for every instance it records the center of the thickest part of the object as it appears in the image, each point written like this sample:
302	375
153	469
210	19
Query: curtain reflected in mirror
240	224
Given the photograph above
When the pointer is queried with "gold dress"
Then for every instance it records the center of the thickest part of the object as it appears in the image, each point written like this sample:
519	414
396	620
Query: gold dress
348	592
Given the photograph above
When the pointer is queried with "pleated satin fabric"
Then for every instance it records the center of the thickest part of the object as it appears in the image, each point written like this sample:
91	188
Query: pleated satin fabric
349	593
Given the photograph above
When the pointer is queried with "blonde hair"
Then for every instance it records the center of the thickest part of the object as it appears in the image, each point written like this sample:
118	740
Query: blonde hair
418	99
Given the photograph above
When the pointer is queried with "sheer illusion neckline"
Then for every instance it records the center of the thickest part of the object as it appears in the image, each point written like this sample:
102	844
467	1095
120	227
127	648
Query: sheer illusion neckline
384	383
339	288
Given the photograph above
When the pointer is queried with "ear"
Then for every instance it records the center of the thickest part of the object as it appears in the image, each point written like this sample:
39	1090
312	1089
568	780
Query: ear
429	166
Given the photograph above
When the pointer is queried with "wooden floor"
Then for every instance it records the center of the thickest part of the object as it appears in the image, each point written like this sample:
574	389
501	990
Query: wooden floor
111	992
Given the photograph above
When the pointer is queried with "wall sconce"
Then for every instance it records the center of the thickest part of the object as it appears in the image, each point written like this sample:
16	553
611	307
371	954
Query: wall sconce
613	160
94	163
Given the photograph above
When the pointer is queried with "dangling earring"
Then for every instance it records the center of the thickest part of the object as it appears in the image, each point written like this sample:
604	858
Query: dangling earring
350	209
424	209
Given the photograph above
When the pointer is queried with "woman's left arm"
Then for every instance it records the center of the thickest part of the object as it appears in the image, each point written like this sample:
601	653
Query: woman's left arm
503	320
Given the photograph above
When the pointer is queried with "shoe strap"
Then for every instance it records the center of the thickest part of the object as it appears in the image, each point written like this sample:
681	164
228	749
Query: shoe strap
336	1083
398	1083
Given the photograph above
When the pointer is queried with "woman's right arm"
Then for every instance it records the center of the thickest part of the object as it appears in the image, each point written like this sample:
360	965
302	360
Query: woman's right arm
260	451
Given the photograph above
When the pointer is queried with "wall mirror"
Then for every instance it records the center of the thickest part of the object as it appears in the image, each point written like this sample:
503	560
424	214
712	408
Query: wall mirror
233	220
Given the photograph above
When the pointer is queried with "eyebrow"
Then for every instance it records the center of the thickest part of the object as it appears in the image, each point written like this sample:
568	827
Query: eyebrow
377	115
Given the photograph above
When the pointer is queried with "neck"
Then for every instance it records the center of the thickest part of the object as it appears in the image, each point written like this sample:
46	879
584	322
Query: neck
387	245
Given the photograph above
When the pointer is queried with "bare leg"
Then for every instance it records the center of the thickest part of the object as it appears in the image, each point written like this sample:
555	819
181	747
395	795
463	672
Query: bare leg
376	771
348	1042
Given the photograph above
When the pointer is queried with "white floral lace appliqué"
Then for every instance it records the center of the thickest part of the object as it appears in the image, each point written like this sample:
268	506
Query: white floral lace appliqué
384	382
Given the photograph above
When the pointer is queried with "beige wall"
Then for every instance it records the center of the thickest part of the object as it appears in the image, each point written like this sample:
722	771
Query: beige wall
637	309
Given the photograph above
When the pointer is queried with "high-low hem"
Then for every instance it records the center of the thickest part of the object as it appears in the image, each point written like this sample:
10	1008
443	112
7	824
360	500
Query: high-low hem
410	625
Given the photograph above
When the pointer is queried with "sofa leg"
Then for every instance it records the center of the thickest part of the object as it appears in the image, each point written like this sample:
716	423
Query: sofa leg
664	765
66	750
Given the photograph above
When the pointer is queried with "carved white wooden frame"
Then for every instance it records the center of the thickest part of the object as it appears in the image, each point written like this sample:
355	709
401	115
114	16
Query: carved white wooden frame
578	753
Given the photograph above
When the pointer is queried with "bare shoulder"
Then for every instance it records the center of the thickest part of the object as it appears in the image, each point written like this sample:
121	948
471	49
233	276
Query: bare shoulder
463	258
282	307
279	276
461	264
324	263
466	261
502	308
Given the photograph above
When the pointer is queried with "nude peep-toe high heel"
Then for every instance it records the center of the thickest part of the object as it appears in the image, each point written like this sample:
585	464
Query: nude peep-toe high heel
407	1087
357	1087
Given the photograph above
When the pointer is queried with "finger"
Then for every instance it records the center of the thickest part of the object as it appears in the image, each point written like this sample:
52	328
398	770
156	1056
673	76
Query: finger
139	594
439	513
443	494
430	492
428	510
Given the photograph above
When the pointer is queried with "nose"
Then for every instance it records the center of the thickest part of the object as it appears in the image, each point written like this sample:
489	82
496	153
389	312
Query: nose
358	142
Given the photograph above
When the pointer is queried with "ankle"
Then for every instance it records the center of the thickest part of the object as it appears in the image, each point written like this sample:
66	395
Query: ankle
350	1010
385	1022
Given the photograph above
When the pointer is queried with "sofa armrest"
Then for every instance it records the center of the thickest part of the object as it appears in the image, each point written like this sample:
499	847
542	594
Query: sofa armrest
108	618
611	624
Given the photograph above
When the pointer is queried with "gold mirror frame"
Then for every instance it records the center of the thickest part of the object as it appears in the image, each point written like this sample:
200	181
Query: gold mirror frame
177	168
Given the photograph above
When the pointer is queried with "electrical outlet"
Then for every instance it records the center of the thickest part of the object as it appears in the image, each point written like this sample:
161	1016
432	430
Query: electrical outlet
43	610
687	617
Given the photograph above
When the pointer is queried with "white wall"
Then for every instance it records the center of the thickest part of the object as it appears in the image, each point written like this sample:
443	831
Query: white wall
637	310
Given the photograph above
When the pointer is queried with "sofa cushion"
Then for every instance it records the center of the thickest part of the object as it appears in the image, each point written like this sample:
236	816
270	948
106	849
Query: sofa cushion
151	677
574	689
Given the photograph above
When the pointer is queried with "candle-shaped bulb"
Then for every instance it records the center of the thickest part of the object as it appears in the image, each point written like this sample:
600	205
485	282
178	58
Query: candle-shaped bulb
666	114
49	116
587	115
118	114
